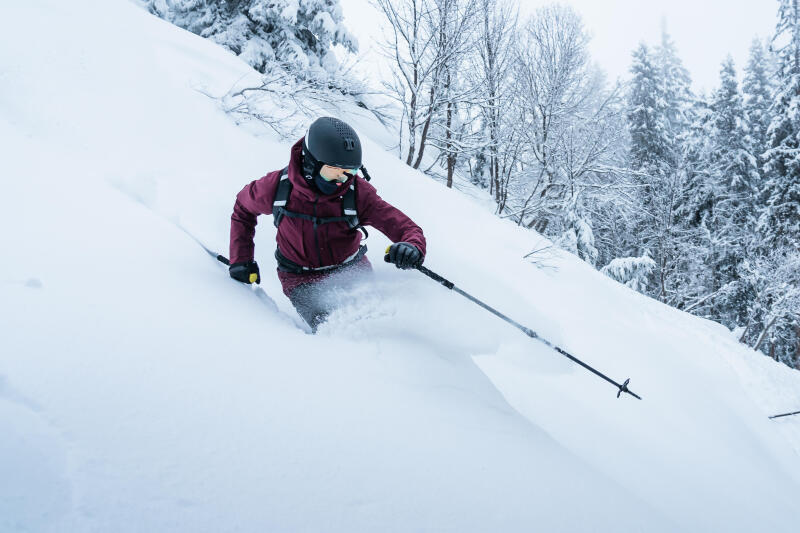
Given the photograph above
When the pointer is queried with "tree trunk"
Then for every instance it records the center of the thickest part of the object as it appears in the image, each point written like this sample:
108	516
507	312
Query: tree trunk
797	346
451	166
744	333
423	138
448	135
412	117
764	333
412	127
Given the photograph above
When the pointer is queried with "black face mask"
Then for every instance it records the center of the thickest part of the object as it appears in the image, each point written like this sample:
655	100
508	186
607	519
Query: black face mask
325	187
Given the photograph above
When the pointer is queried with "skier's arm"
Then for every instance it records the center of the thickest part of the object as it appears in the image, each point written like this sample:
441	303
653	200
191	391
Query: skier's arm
254	199
376	212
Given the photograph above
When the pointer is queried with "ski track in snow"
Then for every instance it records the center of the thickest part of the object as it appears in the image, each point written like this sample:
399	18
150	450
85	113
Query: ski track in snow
142	390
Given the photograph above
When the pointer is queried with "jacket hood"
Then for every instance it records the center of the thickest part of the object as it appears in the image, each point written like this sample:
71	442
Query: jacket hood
302	185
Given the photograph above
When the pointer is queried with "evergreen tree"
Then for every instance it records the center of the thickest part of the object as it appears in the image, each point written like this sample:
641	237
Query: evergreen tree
778	322
675	90
631	271
577	236
647	123
694	211
736	167
696	200
757	101
734	182
780	220
658	119
299	35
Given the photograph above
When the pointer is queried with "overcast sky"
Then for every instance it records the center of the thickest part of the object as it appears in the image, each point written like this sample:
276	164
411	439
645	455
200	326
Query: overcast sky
704	31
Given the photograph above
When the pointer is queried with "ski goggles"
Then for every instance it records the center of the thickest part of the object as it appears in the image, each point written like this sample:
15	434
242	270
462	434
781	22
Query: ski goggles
330	173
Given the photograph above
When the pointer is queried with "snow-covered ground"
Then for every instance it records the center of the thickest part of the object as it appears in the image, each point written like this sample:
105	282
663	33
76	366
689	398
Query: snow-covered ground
143	390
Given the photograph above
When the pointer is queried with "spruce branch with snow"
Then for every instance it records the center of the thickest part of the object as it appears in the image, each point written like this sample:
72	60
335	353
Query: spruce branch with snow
296	33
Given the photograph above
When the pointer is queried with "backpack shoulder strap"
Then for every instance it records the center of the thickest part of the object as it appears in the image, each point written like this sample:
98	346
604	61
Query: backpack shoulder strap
284	190
349	206
281	197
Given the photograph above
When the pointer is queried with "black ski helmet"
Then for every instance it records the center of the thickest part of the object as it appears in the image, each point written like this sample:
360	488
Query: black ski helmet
330	141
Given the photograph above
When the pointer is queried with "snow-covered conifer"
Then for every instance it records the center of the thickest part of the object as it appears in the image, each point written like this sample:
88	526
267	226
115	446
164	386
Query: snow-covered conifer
578	236
780	220
299	34
675	88
632	271
734	179
756	89
658	118
646	116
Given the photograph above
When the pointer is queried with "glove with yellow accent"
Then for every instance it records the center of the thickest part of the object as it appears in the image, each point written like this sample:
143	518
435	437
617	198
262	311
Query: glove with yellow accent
403	255
246	272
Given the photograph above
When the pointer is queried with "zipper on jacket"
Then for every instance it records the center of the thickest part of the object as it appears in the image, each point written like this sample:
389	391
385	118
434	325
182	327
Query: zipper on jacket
316	237
328	242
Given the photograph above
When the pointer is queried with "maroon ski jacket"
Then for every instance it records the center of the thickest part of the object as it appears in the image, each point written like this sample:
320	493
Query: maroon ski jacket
297	238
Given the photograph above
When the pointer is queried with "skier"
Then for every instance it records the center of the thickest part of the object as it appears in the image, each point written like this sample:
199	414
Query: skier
319	203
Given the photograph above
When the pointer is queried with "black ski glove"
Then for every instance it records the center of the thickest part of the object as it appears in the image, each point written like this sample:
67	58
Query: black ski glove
403	255
246	272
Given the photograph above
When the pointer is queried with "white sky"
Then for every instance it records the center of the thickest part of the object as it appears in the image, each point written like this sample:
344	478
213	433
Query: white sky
704	31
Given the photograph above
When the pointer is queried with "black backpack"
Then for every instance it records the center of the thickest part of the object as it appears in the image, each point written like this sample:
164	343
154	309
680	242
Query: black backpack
349	212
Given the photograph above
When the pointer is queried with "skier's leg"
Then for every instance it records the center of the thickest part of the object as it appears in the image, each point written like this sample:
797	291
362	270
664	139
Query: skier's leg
307	299
309	292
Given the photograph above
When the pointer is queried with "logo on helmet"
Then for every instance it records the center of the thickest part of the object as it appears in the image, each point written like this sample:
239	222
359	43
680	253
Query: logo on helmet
349	144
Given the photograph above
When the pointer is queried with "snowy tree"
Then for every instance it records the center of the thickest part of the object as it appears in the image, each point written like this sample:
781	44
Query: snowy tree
571	131
675	88
777	314
757	90
577	236
736	166
553	82
716	205
292	44
659	98
780	220
299	34
647	115
692	278
632	271
774	308
492	65
658	116
450	131
428	39
734	182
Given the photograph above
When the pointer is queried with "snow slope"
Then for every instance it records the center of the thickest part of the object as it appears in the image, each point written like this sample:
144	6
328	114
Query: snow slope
142	390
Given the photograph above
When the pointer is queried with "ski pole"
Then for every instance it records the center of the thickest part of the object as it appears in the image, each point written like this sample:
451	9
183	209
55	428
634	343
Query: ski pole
219	257
786	414
529	332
